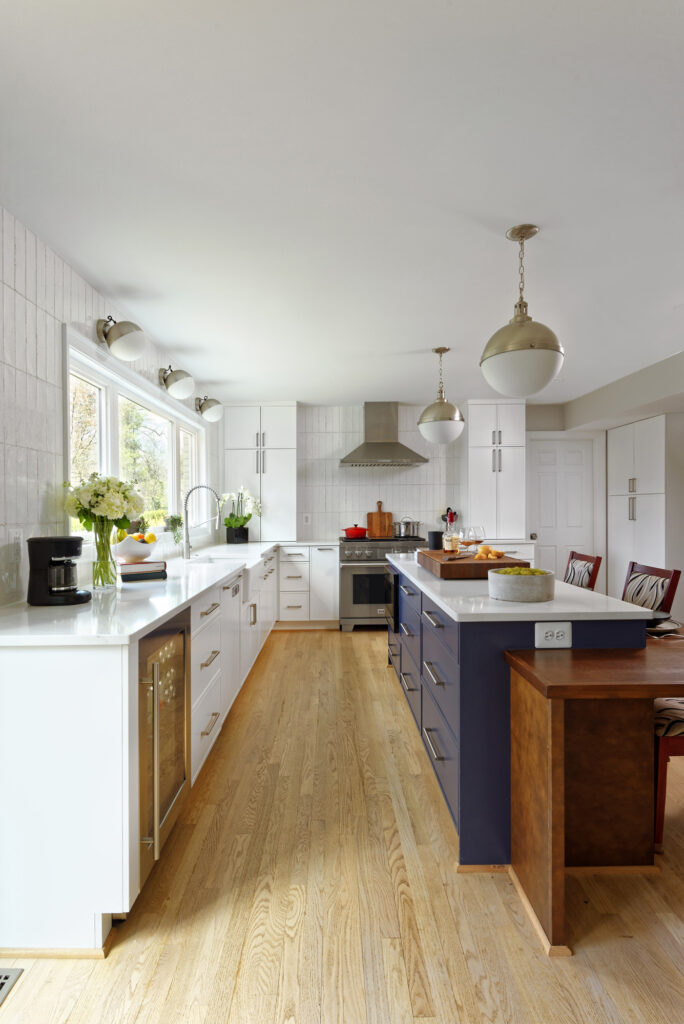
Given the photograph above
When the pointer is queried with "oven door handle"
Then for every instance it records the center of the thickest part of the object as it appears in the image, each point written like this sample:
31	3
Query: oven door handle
364	565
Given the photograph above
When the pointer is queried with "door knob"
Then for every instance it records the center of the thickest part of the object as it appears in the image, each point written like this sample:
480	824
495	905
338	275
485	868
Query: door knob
533	536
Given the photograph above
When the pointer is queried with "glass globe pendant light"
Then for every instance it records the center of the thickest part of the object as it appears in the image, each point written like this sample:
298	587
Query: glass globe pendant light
441	422
523	357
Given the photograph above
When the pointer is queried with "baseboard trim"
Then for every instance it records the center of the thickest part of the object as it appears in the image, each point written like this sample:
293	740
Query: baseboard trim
473	869
282	626
549	949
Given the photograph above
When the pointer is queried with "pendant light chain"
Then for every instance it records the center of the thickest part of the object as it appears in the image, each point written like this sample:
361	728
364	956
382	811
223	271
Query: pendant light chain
521	269
440	390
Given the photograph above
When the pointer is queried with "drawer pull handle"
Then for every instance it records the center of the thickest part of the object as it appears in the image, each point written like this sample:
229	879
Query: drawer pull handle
433	750
433	620
392	649
214	719
293	606
405	630
405	590
409	689
325	549
433	678
212	657
294	577
210	609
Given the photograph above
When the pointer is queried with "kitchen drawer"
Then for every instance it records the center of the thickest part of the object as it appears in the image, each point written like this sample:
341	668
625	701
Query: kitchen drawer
294	576
438	622
205	607
394	653
442	750
205	657
409	596
294	553
409	632
409	680
205	724
294	607
441	677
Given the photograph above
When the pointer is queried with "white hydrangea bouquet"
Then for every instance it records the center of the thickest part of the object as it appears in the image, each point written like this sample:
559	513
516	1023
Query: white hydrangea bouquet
243	506
100	503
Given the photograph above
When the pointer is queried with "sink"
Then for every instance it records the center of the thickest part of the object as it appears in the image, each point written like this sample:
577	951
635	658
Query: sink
210	559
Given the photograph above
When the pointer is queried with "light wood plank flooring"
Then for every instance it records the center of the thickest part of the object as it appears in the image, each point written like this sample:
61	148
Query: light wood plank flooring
311	879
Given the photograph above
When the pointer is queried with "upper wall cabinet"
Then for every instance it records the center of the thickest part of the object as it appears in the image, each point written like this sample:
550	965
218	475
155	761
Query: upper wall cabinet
496	423
260	426
636	457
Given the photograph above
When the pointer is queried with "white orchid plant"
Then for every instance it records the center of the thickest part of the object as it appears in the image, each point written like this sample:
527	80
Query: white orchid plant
103	500
243	506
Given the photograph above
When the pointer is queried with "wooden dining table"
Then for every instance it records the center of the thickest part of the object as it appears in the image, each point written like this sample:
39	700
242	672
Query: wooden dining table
582	768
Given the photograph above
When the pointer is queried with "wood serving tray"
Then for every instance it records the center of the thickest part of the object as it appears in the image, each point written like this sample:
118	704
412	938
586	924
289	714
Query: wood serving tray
448	566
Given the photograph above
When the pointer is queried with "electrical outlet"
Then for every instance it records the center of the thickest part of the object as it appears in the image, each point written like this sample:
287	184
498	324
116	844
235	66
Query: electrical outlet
553	634
306	518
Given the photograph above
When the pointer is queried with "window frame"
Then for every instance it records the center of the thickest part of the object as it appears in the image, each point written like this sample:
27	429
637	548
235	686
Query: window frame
115	379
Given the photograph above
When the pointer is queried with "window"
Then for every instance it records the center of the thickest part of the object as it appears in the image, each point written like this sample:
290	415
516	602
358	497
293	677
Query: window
85	431
188	471
144	457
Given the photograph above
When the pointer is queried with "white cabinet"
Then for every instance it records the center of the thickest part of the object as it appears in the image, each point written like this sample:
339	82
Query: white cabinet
309	582
265	426
279	426
249	635
496	490
278	493
636	457
242	426
635	533
324	586
241	469
496	423
231	607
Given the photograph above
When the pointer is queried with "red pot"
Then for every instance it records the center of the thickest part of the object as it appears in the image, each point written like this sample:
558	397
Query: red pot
355	532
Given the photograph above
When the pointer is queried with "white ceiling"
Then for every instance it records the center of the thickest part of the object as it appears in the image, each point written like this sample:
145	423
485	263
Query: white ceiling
302	199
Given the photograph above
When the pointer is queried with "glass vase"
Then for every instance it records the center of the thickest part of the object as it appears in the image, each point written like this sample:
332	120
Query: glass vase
104	566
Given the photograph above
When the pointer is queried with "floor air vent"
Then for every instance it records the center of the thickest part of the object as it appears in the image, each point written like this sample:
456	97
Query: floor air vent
8	975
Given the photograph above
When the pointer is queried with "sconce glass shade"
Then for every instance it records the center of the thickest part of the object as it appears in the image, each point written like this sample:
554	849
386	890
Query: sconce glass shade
210	408
441	422
521	358
125	339
178	383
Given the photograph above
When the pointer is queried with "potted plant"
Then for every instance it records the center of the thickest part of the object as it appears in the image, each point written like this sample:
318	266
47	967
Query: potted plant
174	525
100	503
243	507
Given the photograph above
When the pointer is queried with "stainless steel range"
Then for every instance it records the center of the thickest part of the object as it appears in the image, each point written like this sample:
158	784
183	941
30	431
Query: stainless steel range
362	578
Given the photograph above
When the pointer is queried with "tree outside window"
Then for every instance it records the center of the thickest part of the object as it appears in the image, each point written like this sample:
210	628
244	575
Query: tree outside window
84	428
144	445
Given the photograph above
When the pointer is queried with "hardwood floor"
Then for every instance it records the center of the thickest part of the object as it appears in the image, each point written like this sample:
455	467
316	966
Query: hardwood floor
311	879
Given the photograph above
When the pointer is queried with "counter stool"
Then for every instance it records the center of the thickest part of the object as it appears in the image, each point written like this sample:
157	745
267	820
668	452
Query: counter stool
669	730
650	587
582	570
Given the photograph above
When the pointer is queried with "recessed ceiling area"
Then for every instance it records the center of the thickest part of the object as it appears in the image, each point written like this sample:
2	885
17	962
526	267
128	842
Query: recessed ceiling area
302	200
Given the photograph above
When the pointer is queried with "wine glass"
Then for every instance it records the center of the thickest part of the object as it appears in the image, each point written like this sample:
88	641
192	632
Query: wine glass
476	533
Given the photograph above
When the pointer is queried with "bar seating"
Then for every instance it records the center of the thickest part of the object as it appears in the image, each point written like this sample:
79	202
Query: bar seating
582	570
655	588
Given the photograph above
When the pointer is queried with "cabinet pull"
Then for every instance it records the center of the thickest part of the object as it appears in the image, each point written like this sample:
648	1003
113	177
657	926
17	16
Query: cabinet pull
405	630
263	461
500	437
392	649
631	485
493	436
257	439
433	750
433	620
212	608
263	439
409	689
212	657
293	606
405	590
155	839
294	577
325	549
427	665
214	719
257	462
252	621
493	459
500	469
295	554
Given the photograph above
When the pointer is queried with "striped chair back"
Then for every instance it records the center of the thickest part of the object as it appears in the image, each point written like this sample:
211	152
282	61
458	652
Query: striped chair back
650	587
582	570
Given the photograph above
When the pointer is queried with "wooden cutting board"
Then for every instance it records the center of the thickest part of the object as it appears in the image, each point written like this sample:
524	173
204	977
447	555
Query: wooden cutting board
445	566
379	523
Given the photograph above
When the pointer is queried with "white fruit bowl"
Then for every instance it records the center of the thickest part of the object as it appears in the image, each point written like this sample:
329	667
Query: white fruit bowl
130	550
506	587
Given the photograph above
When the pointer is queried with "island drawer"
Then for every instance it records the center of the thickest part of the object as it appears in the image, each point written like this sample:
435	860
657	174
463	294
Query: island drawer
394	651
409	632
442	749
205	607
441	677
294	553
294	577
205	658
205	724
409	679
409	595
439	623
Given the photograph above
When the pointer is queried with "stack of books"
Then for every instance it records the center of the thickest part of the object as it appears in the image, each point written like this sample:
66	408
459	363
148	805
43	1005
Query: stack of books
135	572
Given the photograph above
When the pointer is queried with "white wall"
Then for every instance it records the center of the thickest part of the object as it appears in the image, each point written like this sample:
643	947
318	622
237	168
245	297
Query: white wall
336	497
39	292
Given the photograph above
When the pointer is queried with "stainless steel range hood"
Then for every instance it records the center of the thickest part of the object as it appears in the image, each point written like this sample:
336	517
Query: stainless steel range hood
381	446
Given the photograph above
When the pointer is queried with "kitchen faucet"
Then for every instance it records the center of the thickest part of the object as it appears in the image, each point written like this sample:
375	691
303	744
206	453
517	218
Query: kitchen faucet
187	546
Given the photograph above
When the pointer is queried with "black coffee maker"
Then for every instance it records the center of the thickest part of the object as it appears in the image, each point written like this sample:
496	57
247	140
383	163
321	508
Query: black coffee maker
52	571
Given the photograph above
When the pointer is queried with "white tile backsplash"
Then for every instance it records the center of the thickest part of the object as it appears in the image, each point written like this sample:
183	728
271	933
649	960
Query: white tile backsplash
38	292
336	497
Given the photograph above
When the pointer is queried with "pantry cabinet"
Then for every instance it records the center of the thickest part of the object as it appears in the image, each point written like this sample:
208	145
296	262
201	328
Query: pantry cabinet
496	423
260	426
496	467
636	457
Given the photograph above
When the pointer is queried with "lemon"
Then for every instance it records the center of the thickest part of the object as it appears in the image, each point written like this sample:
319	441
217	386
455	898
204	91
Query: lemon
121	535
150	538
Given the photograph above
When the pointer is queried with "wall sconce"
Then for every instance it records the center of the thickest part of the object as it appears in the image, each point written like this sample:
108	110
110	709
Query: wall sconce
210	408
126	340
178	383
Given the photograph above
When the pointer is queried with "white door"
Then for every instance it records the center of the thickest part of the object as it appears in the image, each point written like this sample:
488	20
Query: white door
278	495
649	456
482	474
279	426
324	583
482	424
561	501
242	426
620	542
510	496
241	469
620	458
511	429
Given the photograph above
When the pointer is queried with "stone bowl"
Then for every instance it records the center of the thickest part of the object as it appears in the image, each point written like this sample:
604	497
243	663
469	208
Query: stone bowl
129	550
503	587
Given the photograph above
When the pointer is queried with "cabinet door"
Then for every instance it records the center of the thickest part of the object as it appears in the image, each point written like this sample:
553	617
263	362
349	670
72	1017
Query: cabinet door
240	470
482	477
482	425
231	608
324	583
649	530
620	458
649	455
278	426
248	635
511	428
510	497
620	542
278	493
242	426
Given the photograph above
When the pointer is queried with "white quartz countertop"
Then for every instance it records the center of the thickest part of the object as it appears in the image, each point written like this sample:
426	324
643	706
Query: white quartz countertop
469	601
